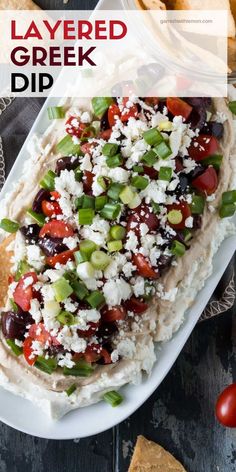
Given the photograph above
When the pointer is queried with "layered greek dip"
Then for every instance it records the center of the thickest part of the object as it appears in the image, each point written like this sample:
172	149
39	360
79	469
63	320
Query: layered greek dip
128	195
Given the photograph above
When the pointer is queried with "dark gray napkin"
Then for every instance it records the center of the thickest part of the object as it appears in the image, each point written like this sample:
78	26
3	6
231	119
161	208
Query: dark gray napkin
16	120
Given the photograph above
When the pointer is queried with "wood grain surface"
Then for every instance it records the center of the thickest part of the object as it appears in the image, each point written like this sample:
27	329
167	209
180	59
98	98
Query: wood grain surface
179	415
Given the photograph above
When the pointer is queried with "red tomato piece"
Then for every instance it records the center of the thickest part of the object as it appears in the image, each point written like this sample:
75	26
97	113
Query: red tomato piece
93	353
136	305
151	101
24	290
74	127
57	229
178	165
87	147
185	210
27	351
91	331
133	224
151	172
51	208
178	107
106	356
148	217
61	258
226	407
206	182
144	267
113	113
106	134
203	146
131	112
39	333
88	181
116	313
56	195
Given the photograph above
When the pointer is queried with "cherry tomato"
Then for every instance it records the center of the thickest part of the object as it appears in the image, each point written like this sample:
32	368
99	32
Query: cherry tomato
144	267
56	195
24	290
91	331
151	172
226	407
106	134
177	107
93	353
151	101
136	305
131	112
27	351
115	313
203	146
106	356
206	182
75	128
39	333
88	181
113	113
87	147
61	258
57	229
185	210
51	208
178	165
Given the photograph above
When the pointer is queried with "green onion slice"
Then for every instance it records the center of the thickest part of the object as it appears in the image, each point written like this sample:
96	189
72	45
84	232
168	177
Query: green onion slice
86	216
22	268
100	202
96	299
139	182
38	217
110	211
227	210
87	247
9	226
55	113
163	150
100	105
66	318
114	161
16	349
100	260
114	191
232	107
175	217
165	173
71	390
153	137
150	158
215	160
114	246
79	289
110	149
66	147
62	289
117	232
46	365
80	369
198	204
113	397
48	181
229	197
88	202
177	248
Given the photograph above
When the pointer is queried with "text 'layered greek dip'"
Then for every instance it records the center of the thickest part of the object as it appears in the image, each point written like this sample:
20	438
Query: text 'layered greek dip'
118	209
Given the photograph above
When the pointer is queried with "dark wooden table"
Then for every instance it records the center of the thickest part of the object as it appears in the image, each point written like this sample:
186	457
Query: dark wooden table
179	415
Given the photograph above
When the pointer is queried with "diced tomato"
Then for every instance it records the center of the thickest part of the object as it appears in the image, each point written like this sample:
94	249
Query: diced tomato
151	172
206	182
151	101
51	208
203	146
10	279
116	313
74	127
24	290
106	356
27	351
136	305
185	210
178	107
86	333
57	229
132	112
87	147
144	267
113	113
56	195
106	134
93	353
148	217
88	181
178	165
39	333
61	258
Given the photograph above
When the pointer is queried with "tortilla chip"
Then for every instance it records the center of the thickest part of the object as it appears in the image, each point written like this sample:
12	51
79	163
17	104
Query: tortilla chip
18	5
5	267
150	457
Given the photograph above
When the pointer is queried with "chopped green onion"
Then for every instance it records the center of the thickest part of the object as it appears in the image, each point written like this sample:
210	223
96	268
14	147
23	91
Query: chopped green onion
227	210
165	173
165	125
16	349
79	257
86	216
87	247
79	202
127	195
71	390
88	202
96	299
100	105
9	226
232	107
100	202
138	169
88	130
114	191
174	217
78	174
38	217
48	181
229	197
150	158
101	181
177	248
113	397
62	289
114	161
22	268
100	260
85	270
215	160
198	204
110	149
114	246
80	369
66	146
156	207
13	305
153	137
46	365
79	289
66	318
55	113
117	232
135	202
110	211
163	150
139	182
187	235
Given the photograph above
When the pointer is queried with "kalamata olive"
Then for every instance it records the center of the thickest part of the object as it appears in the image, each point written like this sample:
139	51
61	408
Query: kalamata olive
31	233
199	102
68	163
197	118
52	246
197	221
14	324
106	331
196	172
55	350
104	124
164	262
214	129
153	70
37	203
182	185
